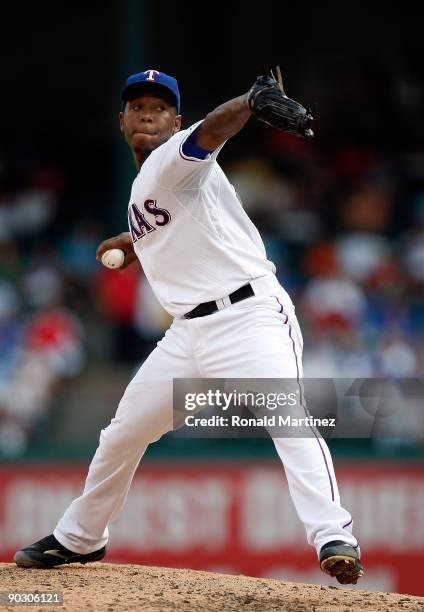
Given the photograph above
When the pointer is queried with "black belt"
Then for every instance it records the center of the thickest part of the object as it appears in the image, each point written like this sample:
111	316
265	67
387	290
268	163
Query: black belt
208	308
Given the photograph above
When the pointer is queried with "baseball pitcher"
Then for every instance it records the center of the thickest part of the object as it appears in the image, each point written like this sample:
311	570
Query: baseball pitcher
207	265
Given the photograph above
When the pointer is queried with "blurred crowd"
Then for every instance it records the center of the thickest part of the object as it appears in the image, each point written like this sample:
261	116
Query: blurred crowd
345	229
60	310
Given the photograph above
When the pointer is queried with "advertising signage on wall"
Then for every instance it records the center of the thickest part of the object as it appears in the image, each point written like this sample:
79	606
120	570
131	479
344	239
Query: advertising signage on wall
231	518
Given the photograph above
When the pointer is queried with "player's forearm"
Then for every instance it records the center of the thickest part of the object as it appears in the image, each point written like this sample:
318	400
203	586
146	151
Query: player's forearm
222	123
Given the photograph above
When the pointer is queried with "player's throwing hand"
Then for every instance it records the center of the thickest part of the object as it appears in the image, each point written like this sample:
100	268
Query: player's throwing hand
124	242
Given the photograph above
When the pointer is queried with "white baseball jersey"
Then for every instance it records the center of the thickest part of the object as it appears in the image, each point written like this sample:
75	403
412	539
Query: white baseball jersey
190	231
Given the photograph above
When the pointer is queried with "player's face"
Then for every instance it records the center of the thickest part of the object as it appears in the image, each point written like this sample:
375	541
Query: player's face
147	122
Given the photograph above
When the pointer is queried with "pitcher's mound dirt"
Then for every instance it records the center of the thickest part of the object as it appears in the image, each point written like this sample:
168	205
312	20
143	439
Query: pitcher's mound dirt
115	588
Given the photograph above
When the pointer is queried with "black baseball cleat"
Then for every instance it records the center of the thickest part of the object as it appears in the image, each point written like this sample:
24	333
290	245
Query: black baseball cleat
341	560
48	552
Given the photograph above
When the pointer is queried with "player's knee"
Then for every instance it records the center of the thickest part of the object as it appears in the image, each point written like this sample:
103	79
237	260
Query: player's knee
121	439
128	434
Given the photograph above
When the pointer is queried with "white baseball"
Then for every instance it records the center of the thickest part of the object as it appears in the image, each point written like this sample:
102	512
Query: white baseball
113	258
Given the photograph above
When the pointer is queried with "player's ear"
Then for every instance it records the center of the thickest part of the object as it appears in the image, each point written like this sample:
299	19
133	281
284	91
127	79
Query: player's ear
177	123
121	121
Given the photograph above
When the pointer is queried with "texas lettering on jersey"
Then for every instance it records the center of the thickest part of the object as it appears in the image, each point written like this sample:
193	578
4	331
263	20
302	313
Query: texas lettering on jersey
139	225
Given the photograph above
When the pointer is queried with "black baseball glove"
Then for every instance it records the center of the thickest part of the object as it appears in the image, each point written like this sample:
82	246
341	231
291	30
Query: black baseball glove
268	102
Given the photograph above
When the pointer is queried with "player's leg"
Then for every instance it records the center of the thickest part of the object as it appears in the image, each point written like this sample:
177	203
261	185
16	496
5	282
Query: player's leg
260	338
144	414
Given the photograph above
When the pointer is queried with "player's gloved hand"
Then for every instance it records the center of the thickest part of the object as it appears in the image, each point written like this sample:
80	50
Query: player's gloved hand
268	102
122	241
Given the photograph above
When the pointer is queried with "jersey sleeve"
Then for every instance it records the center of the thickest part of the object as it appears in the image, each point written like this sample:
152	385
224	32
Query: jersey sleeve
177	165
189	148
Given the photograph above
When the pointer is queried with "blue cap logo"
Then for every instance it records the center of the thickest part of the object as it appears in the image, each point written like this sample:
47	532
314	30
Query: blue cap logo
153	77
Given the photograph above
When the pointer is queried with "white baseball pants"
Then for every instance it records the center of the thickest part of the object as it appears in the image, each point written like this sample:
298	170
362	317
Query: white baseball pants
256	338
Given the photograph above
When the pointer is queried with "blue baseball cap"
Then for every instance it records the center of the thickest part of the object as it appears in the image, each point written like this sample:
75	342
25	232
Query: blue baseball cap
152	77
